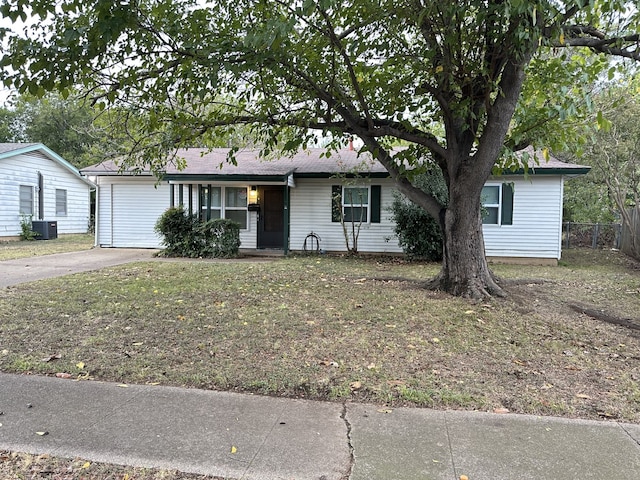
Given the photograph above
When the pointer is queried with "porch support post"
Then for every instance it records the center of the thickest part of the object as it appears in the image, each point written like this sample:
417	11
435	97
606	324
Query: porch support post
286	219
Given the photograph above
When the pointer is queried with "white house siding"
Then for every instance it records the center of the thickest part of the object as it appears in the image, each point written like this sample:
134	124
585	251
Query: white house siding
23	170
311	212
129	208
537	220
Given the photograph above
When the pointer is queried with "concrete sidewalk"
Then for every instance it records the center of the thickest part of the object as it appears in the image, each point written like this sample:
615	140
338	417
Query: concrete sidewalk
251	437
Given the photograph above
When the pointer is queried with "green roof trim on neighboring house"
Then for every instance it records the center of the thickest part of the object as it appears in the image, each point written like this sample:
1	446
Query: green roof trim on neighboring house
8	150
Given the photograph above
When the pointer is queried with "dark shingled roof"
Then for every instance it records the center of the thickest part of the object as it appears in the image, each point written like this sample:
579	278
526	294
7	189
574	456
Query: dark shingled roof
204	162
9	147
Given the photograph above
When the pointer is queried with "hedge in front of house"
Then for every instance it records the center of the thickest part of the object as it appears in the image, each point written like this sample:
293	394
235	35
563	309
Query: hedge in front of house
418	233
185	235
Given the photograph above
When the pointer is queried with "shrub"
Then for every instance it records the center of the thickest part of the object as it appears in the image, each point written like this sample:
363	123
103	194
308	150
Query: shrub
419	234
184	235
176	227
220	238
26	228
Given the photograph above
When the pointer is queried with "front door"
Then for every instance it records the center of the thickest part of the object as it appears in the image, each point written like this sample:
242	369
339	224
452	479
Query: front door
271	220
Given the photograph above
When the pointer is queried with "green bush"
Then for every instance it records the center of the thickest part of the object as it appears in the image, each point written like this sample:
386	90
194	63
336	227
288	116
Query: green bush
419	234
219	238
26	228
184	235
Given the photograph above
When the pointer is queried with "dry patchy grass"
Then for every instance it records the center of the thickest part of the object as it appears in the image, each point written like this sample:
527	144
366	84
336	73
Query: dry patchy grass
64	243
15	465
341	329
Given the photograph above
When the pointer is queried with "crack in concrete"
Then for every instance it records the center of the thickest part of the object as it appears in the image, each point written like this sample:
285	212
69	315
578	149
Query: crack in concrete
453	460
629	434
352	457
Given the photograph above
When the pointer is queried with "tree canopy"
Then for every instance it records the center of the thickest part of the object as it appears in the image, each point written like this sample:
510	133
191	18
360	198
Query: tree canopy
463	83
614	154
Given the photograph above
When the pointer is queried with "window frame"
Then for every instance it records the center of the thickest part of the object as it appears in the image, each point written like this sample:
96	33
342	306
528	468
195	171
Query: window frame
244	208
355	205
61	212
205	195
497	206
22	189
504	206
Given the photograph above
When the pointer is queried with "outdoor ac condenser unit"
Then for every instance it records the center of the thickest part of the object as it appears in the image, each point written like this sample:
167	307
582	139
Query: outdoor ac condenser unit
46	230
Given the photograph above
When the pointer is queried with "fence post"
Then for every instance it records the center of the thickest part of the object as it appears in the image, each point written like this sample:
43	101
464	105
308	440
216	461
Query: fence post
567	234
594	240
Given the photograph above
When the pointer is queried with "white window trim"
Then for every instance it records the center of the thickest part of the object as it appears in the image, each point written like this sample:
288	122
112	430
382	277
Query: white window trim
32	197
60	213
223	203
236	209
494	205
368	204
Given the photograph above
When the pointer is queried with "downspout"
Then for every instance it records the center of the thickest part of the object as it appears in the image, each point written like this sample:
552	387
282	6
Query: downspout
40	196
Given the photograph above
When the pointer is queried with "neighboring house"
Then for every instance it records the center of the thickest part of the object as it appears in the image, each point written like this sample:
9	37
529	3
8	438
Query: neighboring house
37	183
279	203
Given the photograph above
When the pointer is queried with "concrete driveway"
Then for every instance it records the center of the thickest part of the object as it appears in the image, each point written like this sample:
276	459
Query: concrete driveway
14	272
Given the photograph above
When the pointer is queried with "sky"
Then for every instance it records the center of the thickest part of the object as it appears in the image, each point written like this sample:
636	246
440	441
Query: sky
18	26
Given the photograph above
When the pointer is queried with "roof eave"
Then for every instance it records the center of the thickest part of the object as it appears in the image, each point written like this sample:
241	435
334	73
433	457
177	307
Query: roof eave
49	153
549	171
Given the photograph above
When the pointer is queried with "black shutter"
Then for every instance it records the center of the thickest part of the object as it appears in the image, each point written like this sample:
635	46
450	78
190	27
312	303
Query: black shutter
375	203
507	204
336	202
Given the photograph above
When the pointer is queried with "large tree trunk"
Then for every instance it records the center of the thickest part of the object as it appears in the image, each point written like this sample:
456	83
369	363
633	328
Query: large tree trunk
464	266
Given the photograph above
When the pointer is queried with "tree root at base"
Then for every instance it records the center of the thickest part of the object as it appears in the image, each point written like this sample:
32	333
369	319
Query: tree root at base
631	323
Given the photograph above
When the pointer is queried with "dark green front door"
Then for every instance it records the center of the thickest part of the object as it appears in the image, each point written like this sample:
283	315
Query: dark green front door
271	220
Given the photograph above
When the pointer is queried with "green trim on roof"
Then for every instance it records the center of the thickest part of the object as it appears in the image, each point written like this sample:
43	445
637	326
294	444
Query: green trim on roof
223	178
347	175
211	177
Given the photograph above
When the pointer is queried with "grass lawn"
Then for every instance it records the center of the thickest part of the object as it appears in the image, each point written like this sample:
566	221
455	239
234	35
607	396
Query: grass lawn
16	465
64	243
344	329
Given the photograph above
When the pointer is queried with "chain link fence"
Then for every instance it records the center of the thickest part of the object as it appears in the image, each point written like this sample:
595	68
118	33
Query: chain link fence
591	235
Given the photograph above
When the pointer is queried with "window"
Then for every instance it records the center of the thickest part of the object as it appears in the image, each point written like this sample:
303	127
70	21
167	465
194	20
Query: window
26	200
61	202
234	206
210	203
356	203
497	203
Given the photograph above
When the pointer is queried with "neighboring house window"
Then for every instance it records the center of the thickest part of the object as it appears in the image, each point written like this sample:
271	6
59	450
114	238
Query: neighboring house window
357	203
497	203
26	200
235	207
61	202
